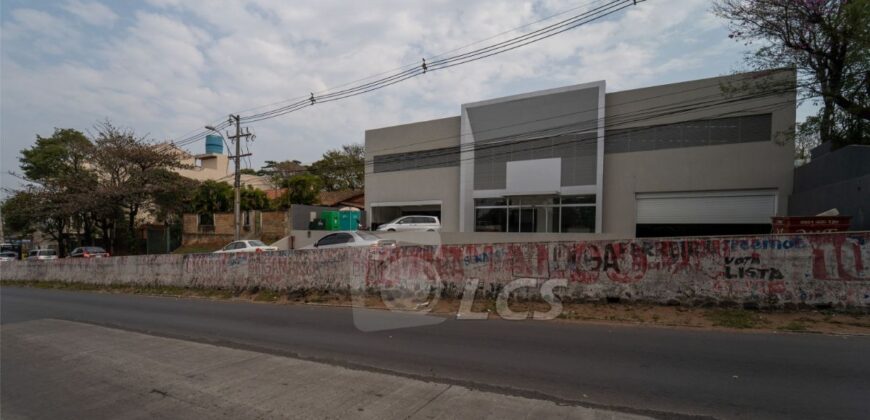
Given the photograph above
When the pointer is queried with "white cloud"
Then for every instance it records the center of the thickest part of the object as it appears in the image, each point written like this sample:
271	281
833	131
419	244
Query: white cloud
92	12
180	65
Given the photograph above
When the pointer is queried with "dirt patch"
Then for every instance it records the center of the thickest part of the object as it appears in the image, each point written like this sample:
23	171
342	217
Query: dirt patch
804	321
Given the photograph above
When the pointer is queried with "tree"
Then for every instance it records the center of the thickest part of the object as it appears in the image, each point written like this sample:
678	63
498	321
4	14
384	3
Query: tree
212	197
248	171
341	169
132	170
280	172
39	208
828	42
301	189
174	198
61	193
253	199
17	214
56	158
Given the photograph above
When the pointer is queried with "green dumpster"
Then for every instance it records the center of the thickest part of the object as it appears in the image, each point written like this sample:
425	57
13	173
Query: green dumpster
330	220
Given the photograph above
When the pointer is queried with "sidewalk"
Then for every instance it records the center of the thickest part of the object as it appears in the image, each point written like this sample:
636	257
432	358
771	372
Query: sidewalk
54	369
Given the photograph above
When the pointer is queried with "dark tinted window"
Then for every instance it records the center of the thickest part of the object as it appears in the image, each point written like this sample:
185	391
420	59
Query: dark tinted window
750	128
425	159
335	238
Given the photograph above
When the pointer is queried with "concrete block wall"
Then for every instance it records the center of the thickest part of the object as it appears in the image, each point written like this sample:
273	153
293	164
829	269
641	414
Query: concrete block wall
224	223
190	223
765	271
274	226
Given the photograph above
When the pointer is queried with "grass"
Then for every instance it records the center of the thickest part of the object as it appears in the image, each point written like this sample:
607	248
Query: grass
794	326
733	318
267	296
803	321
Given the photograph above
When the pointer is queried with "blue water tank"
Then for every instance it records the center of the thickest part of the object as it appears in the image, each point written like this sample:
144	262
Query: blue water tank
214	144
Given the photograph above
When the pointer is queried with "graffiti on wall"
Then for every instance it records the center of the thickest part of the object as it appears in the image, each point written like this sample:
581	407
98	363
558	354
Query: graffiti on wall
831	268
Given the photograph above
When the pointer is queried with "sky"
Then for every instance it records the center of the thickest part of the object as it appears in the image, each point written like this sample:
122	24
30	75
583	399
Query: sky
166	68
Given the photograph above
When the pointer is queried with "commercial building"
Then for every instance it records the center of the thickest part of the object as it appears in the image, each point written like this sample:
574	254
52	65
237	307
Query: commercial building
710	156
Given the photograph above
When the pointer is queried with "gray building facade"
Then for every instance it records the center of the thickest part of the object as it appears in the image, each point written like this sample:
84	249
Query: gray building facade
697	157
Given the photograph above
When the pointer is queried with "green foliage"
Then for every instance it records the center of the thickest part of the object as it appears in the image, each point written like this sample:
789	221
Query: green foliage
342	169
90	189
301	189
733	318
56	158
248	171
828	42
280	172
253	199
17	217
175	196
212	197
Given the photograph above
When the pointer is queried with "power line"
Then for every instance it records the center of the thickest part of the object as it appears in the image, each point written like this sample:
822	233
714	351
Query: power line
498	48
416	65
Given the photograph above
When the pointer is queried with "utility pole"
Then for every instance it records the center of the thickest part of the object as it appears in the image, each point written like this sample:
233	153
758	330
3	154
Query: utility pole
238	184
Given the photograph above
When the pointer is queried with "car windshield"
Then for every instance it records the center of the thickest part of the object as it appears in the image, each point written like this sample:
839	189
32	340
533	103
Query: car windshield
256	243
93	249
47	252
8	254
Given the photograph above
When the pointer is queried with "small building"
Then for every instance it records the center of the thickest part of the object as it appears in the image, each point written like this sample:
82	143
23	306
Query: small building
690	158
347	198
214	165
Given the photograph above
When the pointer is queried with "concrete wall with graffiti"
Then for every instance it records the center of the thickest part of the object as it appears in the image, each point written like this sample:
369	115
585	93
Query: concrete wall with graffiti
764	271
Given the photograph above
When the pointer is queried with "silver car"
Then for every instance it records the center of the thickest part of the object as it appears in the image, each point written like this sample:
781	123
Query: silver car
350	239
252	245
8	256
42	254
412	224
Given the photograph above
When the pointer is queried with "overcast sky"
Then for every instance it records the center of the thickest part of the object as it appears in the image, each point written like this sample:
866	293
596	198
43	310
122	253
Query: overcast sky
167	67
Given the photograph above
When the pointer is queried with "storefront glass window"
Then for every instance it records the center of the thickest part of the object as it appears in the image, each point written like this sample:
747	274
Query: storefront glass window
543	214
491	220
578	219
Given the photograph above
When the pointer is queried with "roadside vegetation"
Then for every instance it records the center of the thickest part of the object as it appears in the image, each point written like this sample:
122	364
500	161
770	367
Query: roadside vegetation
803	321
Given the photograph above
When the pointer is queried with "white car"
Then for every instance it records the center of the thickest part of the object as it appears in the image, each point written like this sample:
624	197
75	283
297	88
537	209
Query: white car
246	246
42	254
412	224
350	239
8	256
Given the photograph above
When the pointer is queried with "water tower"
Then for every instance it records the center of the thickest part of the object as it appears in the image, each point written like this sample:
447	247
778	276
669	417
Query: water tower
214	144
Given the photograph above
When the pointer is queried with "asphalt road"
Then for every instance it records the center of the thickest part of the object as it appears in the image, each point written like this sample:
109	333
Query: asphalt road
659	371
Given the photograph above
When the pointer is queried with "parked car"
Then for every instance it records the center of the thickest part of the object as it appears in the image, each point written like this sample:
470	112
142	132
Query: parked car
350	239
8	256
246	246
412	224
88	252
42	254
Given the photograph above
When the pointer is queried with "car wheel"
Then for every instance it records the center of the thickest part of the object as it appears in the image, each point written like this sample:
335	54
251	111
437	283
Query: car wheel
391	230
431	230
